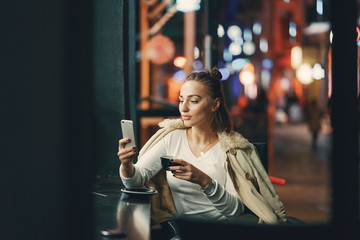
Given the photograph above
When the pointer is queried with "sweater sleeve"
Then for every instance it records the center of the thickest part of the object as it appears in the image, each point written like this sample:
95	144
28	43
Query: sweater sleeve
225	200
137	180
147	166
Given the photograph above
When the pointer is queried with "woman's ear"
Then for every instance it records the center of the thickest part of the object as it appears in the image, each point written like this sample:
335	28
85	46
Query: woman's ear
216	104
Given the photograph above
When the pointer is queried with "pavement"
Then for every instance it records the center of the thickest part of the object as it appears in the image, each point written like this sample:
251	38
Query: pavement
307	191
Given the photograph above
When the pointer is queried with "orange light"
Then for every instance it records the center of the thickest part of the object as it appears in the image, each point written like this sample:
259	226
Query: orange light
249	67
180	61
242	101
247	74
173	90
160	49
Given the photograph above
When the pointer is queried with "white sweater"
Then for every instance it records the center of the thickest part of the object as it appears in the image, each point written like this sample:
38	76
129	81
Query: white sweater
189	200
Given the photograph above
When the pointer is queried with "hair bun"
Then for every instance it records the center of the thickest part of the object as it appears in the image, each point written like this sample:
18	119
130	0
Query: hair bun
216	73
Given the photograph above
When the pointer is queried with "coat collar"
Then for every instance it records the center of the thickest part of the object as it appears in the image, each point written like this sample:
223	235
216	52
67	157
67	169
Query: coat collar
227	140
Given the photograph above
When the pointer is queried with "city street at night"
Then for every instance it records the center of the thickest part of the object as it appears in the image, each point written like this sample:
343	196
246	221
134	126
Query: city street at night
307	193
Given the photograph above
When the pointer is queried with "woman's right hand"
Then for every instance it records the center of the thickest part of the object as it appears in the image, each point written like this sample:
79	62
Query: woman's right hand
126	154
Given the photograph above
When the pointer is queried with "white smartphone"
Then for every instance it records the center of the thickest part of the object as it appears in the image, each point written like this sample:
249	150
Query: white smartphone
127	128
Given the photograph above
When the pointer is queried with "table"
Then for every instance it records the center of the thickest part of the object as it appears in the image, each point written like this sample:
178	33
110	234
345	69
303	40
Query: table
124	216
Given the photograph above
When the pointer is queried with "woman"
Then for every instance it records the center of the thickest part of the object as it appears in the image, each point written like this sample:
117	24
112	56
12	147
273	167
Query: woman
219	170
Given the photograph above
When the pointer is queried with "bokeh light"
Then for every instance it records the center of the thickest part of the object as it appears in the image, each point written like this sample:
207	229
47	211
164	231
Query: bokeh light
249	48
180	61
246	77
196	53
265	79
319	7
304	74
197	65
239	40
179	76
220	31
247	74
227	55
247	35
267	63
285	84
296	57
292	29
235	48
225	73
188	5
234	32
318	72
263	45
251	91
331	36
257	28
238	64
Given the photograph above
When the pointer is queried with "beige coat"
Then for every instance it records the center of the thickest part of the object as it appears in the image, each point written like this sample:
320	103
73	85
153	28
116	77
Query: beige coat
246	171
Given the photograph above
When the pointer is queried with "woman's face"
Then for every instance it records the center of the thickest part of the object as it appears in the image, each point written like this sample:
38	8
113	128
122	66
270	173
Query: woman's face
195	105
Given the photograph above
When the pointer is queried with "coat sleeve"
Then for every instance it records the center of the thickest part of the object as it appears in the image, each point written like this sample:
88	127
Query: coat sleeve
251	187
266	188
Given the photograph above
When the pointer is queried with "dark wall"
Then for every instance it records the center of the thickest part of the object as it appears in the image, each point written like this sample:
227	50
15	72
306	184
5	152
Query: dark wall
345	118
111	90
46	119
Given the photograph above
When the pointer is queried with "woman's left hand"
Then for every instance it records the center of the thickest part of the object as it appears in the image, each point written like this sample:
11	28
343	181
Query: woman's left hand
190	173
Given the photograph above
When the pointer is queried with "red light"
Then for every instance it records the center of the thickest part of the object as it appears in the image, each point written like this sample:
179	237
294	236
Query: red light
358	33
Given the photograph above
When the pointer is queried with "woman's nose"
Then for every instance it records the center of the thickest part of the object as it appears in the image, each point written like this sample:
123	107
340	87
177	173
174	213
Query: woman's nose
184	107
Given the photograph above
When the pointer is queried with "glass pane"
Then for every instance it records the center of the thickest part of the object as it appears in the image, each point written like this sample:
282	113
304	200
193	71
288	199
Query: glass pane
274	58
277	54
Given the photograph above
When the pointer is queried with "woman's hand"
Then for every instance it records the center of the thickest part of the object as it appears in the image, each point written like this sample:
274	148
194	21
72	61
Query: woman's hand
190	173
126	156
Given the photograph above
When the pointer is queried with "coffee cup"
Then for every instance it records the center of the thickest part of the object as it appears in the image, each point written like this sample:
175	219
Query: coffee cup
165	161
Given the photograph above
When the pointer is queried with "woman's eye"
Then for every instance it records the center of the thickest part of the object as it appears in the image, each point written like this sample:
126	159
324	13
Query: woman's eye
192	101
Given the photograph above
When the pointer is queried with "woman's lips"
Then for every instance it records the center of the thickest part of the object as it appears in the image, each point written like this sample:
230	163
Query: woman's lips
186	117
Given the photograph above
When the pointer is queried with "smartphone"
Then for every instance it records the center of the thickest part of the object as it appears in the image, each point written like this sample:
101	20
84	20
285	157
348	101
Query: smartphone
127	128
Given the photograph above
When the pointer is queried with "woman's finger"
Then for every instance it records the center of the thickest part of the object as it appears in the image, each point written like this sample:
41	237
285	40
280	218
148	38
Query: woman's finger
188	173
183	176
178	173
123	142
127	153
179	161
124	155
174	168
127	150
127	159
